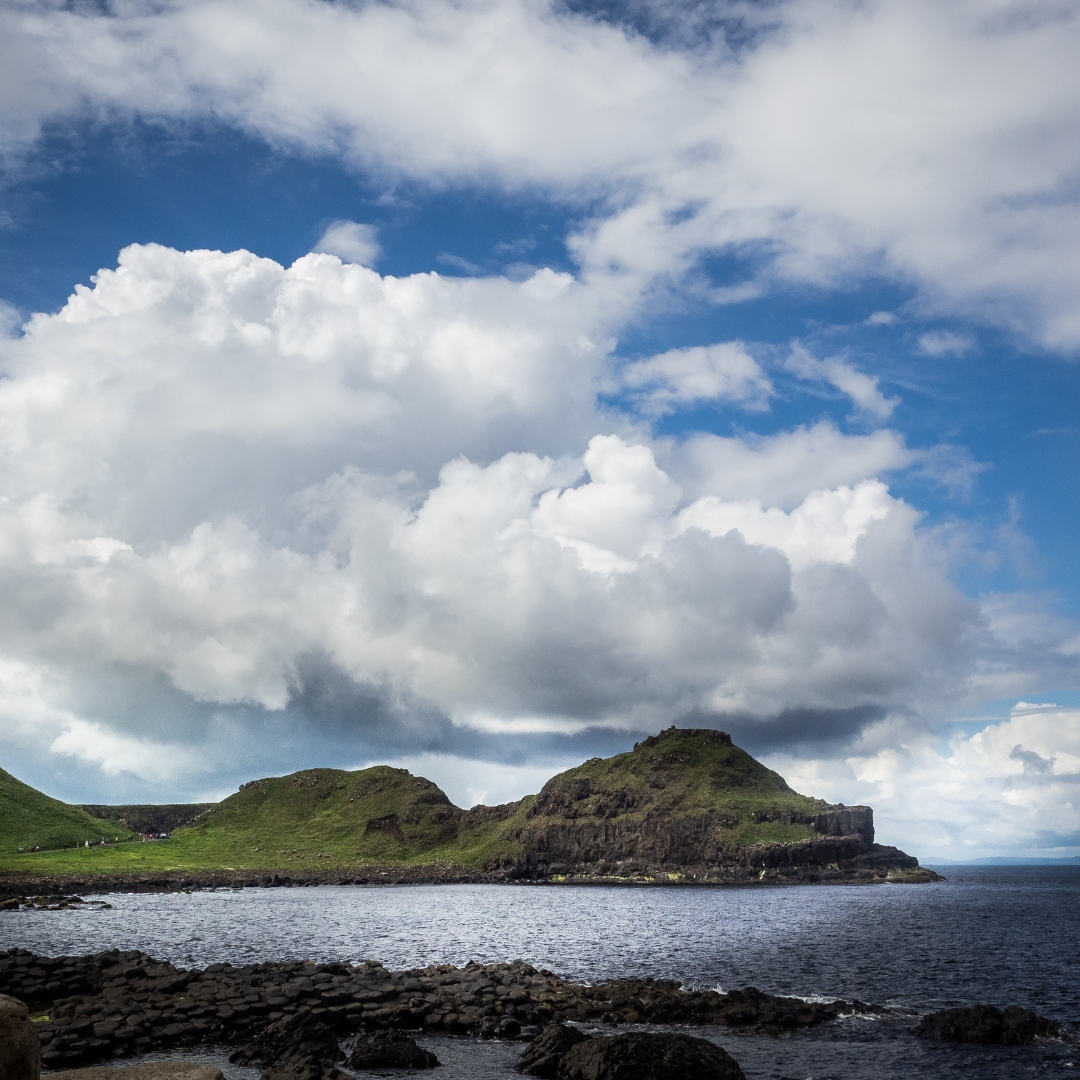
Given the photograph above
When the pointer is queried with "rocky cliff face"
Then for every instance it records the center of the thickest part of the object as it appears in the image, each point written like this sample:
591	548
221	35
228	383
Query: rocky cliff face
688	804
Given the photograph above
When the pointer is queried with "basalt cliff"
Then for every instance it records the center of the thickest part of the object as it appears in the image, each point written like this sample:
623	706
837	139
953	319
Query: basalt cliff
688	805
684	806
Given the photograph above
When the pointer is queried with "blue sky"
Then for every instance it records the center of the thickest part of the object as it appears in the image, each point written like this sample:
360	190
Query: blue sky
724	375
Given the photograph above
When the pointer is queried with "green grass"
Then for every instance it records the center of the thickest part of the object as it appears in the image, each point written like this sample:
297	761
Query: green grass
29	818
682	773
329	819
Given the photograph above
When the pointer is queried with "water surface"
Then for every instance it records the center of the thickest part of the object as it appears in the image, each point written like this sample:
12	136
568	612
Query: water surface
1005	935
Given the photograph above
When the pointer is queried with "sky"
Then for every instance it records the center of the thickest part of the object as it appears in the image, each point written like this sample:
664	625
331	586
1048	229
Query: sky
478	386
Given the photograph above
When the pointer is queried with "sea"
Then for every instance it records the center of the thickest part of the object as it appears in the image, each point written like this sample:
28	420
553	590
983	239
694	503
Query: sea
1001	935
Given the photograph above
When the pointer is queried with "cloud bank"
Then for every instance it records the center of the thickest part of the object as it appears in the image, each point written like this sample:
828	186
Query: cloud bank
394	513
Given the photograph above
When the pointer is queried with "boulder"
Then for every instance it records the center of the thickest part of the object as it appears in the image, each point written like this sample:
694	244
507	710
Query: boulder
643	1055
295	1034
20	1050
151	1070
547	1050
390	1050
1011	1026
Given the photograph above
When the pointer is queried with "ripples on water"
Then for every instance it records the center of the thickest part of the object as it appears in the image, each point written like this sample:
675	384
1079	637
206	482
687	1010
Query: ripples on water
1003	935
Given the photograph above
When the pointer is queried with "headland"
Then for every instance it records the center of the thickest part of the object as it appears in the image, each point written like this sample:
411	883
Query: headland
685	806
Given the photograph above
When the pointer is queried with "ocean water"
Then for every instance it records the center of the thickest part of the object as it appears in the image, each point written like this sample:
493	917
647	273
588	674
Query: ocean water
1003	935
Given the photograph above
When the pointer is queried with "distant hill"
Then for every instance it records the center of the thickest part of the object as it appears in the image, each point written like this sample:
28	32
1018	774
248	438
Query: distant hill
684	805
29	818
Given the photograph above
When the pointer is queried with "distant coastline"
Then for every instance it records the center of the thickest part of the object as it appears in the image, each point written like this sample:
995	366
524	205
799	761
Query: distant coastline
685	806
1004	860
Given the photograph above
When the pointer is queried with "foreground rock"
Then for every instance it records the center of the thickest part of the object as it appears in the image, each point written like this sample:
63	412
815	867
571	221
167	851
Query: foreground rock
1011	1026
636	1055
20	1054
547	1051
390	1050
123	1003
299	1046
154	1070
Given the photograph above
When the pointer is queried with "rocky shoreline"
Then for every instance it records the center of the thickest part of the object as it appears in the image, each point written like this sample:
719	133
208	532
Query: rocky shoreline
855	871
116	1004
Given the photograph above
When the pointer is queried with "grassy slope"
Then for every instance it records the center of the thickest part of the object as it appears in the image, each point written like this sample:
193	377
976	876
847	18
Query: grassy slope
326	818
681	773
29	818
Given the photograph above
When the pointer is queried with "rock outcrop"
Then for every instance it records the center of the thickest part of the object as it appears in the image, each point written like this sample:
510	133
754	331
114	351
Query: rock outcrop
989	1025
636	1055
119	1004
689	805
390	1050
545	1053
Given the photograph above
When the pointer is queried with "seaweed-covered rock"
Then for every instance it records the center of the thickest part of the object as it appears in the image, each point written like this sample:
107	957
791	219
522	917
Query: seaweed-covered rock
20	1052
546	1051
1011	1026
643	1055
390	1050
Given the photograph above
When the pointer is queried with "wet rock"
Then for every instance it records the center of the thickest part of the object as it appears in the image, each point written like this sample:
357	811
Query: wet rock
295	1035
643	1055
20	1052
390	1050
300	1067
986	1024
547	1050
154	1070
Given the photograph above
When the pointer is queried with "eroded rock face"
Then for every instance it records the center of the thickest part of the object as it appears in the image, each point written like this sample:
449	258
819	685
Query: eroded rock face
390	1050
20	1051
546	1052
986	1024
643	1055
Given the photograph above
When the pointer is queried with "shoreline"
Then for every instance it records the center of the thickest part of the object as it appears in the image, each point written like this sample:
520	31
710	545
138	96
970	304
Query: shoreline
22	884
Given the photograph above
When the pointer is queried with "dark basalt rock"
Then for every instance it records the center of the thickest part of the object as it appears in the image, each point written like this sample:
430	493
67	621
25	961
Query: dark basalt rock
51	903
648	1056
390	1050
1011	1026
546	1052
298	1034
118	1004
302	1067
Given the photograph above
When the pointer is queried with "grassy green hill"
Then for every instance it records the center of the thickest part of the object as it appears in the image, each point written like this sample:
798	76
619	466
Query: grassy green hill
29	818
680	774
680	798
